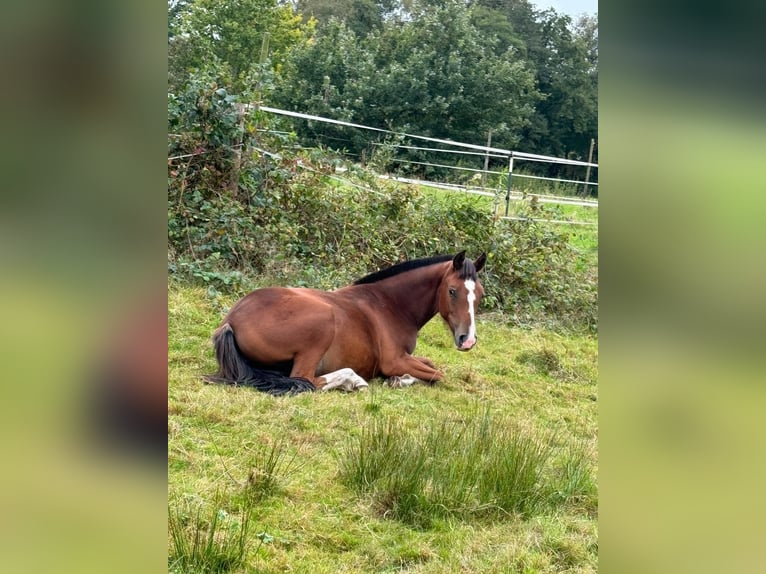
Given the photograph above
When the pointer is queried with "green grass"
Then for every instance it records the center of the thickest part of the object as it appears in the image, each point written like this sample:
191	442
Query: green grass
286	460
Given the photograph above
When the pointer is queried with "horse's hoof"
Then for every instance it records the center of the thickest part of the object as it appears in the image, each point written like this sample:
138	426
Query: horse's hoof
406	380
344	380
397	382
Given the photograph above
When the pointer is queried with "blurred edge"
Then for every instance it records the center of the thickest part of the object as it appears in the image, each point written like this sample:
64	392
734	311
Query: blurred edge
82	241
82	287
683	277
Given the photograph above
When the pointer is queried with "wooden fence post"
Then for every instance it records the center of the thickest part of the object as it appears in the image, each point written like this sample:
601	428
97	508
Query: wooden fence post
486	159
587	171
237	161
508	191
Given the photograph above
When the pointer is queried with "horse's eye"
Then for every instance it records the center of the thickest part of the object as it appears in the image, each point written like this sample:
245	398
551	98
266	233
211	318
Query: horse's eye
452	292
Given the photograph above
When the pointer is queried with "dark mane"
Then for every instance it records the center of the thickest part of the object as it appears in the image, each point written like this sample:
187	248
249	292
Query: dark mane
468	271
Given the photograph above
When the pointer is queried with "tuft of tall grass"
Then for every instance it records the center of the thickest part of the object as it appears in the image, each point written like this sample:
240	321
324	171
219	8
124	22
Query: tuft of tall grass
574	481
269	464
206	538
544	361
484	466
378	447
512	471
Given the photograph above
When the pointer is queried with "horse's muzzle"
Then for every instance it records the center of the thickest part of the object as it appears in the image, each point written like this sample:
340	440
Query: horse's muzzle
464	343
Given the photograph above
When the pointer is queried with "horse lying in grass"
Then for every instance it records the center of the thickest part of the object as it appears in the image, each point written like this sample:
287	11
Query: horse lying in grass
284	340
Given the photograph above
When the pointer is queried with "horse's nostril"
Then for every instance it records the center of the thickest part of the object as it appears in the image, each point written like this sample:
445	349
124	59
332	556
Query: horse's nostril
461	339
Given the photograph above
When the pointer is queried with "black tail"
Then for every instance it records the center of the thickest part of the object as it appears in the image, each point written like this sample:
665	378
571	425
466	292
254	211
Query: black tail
234	369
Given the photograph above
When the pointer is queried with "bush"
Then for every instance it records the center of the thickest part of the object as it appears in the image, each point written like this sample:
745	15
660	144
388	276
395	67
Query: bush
534	275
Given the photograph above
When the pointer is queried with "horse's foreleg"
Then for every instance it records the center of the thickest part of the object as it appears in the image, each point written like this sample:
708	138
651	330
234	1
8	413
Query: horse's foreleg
428	362
409	365
405	380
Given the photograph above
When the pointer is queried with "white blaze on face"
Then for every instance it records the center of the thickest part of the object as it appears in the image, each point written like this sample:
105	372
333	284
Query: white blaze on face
471	340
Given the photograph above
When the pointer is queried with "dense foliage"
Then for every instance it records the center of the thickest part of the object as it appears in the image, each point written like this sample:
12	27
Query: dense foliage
242	203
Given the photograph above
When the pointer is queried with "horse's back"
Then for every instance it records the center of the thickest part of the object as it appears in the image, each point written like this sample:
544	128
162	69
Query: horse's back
273	324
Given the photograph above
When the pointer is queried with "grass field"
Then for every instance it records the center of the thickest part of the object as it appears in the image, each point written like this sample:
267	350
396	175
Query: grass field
239	458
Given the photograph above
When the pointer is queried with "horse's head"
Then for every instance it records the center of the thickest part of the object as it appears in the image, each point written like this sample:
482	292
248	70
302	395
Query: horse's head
460	293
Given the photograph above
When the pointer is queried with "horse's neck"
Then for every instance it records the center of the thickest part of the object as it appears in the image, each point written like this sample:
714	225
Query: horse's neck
414	294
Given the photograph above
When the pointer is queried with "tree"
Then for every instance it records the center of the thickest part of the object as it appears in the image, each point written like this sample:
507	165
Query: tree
435	74
493	23
238	33
566	68
360	16
522	17
446	68
564	56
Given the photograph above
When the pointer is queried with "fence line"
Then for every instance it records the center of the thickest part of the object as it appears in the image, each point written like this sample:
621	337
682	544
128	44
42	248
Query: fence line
446	166
447	186
550	159
518	195
510	154
440	150
504	152
552	178
485	151
516	154
536	220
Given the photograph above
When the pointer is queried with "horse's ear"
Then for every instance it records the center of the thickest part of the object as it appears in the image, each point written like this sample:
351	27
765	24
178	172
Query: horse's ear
480	261
457	262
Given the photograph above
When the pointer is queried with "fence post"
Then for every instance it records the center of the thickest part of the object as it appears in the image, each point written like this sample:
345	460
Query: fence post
237	148
587	171
486	159
261	62
508	191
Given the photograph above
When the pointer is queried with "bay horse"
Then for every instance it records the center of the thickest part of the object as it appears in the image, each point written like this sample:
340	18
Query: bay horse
290	340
